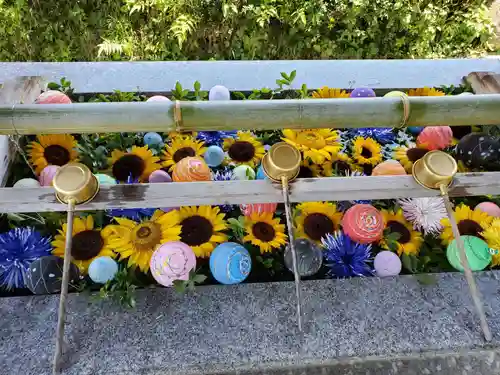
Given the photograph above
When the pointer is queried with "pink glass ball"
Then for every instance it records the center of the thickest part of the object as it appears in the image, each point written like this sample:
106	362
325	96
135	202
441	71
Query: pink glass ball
490	208
47	175
53	97
435	137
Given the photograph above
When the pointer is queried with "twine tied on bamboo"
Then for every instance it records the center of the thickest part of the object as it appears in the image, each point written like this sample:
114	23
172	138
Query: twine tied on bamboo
281	164
74	184
436	171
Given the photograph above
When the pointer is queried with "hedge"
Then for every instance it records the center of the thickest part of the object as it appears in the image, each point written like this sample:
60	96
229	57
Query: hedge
38	30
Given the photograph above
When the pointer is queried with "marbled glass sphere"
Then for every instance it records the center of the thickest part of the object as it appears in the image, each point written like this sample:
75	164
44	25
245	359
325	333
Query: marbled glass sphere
309	257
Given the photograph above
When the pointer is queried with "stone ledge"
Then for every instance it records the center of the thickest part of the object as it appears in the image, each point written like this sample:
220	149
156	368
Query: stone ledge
355	326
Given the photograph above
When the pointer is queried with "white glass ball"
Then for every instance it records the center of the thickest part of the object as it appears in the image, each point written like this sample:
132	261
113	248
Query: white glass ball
219	93
103	269
243	172
387	263
27	183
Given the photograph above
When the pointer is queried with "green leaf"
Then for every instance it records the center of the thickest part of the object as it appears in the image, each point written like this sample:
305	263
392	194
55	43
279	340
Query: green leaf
180	286
199	278
293	74
407	263
426	279
197	86
285	76
53	86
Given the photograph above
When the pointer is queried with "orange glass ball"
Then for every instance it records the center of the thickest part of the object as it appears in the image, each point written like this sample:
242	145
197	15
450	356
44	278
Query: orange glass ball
389	168
191	169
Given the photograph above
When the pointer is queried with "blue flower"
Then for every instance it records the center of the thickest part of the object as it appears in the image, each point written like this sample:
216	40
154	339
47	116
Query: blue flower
18	248
224	175
136	214
346	258
381	135
215	138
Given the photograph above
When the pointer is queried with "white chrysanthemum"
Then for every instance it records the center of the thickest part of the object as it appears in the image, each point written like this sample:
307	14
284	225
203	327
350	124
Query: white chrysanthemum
403	138
424	213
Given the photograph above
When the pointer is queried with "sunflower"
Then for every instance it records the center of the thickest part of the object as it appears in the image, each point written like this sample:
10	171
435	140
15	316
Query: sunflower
244	149
341	164
308	169
264	231
470	223
407	156
366	151
138	240
186	134
316	144
492	237
181	148
425	91
325	93
409	240
88	243
138	163
316	219
55	149
202	228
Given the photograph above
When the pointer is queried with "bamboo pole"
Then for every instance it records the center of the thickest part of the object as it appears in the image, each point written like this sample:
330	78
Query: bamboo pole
248	114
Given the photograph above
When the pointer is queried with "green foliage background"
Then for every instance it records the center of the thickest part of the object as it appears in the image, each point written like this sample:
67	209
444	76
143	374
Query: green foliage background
37	30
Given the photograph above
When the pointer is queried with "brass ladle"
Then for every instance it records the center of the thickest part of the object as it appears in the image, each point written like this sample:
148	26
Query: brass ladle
436	171
74	184
282	164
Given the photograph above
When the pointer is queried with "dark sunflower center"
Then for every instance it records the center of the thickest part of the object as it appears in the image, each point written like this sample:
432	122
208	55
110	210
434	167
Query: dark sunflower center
397	227
144	232
183	153
56	155
196	230
341	167
469	228
461	131
305	172
317	225
263	231
416	153
241	151
86	245
128	165
367	169
366	153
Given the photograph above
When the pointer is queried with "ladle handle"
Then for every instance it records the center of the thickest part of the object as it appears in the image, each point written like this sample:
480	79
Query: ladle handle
64	287
291	241
465	264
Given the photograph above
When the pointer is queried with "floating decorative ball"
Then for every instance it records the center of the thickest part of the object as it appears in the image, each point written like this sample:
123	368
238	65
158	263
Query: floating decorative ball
230	263
260	175
191	169
477	251
387	263
47	175
53	97
363	223
219	93
415	130
45	275
435	137
363	92
153	139
159	176
479	150
259	208
389	168
490	208
27	183
394	94
309	257
214	156
465	94
105	179
103	269
243	172
158	98
172	261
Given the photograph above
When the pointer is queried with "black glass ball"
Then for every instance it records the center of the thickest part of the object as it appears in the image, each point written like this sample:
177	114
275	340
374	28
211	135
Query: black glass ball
479	151
45	275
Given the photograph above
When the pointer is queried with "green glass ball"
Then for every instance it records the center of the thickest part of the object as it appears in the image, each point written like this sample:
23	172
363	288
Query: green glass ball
477	251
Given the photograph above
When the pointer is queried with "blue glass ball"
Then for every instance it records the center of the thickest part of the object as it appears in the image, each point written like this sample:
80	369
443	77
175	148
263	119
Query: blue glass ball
103	269
363	92
260	173
152	139
214	156
230	263
104	179
415	130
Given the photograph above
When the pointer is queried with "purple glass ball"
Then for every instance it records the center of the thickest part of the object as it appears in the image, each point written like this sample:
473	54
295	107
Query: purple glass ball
363	92
387	263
